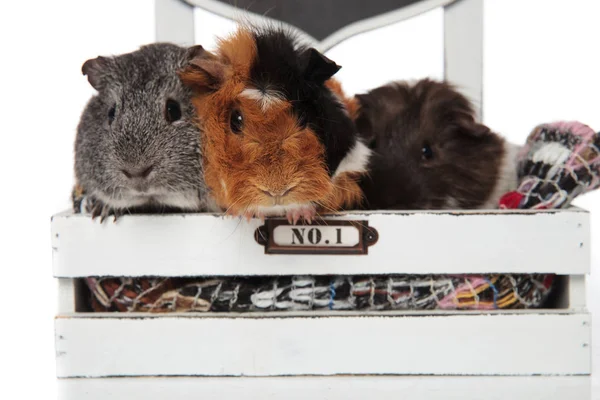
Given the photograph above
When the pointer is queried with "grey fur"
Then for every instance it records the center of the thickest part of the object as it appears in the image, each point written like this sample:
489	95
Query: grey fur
139	84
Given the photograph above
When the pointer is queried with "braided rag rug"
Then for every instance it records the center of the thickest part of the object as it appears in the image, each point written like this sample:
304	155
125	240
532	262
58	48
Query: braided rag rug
558	162
296	293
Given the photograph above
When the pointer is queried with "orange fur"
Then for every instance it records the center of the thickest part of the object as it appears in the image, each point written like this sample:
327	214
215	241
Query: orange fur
273	154
353	107
238	51
78	190
350	103
347	193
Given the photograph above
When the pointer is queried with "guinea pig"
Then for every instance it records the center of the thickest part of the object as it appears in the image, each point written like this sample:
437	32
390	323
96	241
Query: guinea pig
277	137
428	150
137	148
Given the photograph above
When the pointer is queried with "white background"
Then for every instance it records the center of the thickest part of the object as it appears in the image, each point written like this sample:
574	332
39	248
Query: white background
542	63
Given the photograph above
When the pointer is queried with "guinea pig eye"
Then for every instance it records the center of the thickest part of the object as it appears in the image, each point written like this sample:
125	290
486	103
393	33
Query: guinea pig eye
236	122
111	113
173	111
426	152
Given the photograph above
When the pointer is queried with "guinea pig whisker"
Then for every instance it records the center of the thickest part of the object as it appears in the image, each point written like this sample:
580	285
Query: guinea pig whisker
231	206
125	208
246	214
325	207
324	222
268	11
338	187
234	229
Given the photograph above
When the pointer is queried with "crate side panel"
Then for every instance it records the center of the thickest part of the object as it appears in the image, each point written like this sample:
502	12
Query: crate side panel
409	242
430	345
329	388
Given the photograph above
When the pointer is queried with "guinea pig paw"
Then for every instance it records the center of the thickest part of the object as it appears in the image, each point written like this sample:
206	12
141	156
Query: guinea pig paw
309	213
293	216
306	213
99	209
96	210
107	212
116	214
248	215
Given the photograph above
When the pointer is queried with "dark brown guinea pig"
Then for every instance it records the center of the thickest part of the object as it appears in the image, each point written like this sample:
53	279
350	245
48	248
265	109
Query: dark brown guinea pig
428	150
276	134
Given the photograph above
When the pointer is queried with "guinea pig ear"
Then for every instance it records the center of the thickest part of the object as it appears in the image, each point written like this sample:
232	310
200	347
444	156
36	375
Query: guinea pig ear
95	70
193	52
364	119
319	68
473	129
204	71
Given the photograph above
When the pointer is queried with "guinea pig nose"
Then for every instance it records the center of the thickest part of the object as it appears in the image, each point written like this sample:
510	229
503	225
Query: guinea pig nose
137	172
273	193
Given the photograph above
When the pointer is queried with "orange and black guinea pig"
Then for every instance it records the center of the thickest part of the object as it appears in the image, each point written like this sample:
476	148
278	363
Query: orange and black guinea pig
277	136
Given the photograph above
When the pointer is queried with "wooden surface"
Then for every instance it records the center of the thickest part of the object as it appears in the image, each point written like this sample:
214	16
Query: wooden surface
531	344
409	242
463	50
334	29
329	388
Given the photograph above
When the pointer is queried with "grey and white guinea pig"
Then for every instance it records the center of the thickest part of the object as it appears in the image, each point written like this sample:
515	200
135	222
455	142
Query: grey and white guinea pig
428	150
137	148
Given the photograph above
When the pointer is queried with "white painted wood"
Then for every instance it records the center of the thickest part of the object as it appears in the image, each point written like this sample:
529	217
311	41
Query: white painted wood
174	22
365	345
463	49
66	296
409	242
577	292
329	388
355	28
316	314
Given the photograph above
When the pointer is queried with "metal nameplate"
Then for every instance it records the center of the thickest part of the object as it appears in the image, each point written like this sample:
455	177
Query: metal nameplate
321	237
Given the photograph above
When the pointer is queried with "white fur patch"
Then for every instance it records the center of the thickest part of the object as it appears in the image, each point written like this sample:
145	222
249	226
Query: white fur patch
266	98
282	209
507	178
211	205
180	200
184	200
356	160
451	204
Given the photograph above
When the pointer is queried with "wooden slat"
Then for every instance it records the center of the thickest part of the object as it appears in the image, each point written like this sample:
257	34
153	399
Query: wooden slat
316	314
174	22
577	293
234	11
329	388
67	295
427	345
463	50
409	242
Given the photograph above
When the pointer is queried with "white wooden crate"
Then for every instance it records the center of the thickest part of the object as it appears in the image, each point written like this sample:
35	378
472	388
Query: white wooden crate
409	242
326	355
329	388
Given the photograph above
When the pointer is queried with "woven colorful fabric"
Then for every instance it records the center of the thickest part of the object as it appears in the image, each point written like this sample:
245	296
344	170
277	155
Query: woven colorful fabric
302	293
559	161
